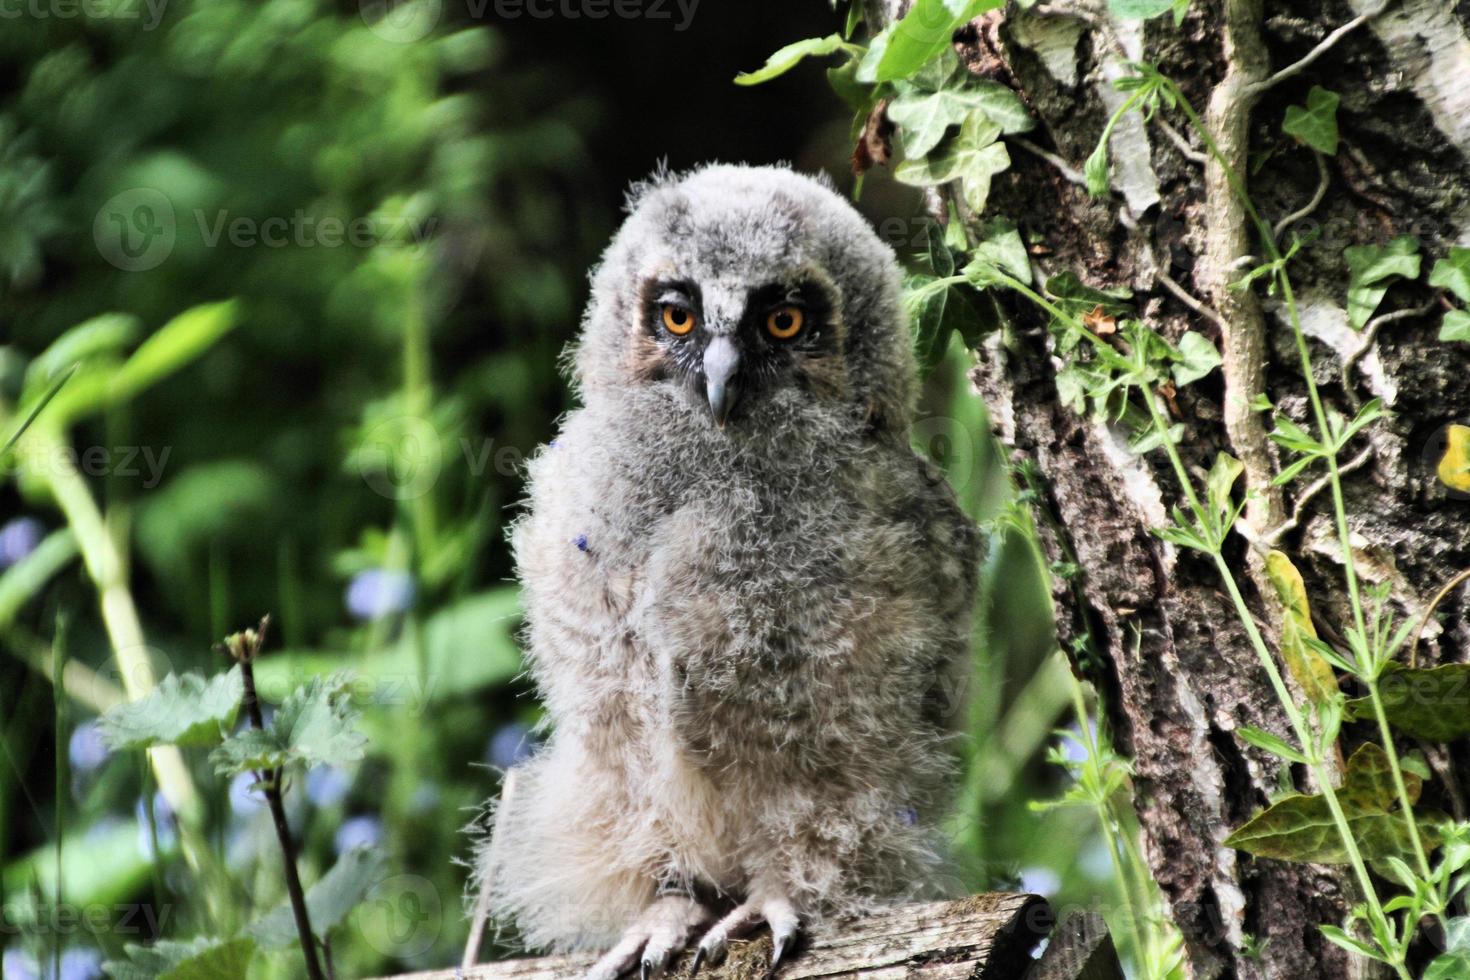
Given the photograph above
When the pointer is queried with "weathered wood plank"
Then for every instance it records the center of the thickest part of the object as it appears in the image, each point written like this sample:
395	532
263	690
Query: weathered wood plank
1080	949
984	937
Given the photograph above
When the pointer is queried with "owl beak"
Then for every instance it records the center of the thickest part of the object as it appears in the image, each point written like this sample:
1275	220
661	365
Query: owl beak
721	363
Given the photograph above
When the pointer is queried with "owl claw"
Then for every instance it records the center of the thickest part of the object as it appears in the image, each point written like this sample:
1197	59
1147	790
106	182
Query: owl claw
777	913
663	928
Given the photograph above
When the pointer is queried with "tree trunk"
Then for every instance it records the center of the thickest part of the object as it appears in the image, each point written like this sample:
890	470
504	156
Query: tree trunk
1177	674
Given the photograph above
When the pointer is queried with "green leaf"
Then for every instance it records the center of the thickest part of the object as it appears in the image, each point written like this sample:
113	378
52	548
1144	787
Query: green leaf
315	725
937	313
1315	124
187	711
1453	273
972	156
1273	744
786	58
328	902
1076	296
1449	966
1456	326
1000	246
197	959
925	117
1313	674
1301	828
1370	267
1432	703
923	34
1218	484
1140	9
102	337
167	350
1338	937
1096	170
1198	358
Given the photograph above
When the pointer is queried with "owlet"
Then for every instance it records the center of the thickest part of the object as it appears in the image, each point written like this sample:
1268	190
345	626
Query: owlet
747	599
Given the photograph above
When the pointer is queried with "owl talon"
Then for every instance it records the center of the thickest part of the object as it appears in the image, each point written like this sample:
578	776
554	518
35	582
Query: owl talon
663	928
777	913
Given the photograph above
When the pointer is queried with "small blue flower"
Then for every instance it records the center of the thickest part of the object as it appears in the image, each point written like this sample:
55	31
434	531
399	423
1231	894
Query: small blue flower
245	799
20	965
19	538
581	542
364	831
79	964
86	748
511	745
379	592
1040	881
326	786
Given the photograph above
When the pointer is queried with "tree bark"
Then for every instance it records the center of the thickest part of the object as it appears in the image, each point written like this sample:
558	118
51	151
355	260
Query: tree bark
1175	670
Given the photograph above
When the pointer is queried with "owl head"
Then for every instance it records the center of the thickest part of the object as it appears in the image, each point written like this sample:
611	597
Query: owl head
748	291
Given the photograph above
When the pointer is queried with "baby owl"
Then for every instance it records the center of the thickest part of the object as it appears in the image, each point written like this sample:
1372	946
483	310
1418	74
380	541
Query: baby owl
747	599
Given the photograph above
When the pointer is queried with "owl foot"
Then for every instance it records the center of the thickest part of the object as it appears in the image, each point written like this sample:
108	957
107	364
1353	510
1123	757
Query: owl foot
778	913
662	930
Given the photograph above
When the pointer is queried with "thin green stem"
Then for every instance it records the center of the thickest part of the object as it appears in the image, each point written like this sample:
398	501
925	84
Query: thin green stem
1125	880
1319	413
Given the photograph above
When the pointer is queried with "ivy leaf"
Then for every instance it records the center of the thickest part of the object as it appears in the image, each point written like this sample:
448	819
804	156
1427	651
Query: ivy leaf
187	711
198	959
1370	267
1146	9
1301	828
1454	962
1456	326
1315	124
924	33
1453	273
1077	296
1454	465
1432	703
315	725
1001	246
972	156
328	902
784	59
1198	358
1313	674
926	116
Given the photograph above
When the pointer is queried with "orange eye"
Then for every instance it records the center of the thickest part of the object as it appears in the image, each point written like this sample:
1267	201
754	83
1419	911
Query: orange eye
677	320
785	322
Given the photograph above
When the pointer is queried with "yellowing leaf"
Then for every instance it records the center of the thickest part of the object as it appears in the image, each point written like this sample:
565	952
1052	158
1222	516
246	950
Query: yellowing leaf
1454	465
1312	673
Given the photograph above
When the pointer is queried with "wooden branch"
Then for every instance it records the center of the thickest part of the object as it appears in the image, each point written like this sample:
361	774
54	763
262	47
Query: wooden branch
985	937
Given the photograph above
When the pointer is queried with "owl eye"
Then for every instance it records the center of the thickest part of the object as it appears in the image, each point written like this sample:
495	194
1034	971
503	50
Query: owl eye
678	320
785	322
